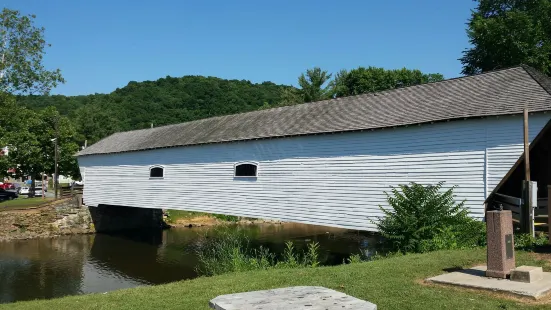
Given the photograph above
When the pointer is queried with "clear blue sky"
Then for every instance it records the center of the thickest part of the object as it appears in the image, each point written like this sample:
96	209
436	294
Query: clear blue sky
101	45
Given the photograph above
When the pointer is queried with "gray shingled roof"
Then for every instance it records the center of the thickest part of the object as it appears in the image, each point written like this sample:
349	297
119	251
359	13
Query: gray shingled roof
501	92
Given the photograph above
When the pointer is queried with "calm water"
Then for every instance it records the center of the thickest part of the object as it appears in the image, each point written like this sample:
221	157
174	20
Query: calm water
81	264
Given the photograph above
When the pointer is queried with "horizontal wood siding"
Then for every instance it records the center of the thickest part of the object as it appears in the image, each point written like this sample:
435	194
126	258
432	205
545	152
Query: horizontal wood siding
335	180
507	145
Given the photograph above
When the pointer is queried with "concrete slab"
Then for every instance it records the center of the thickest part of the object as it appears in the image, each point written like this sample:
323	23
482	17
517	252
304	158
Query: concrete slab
295	298
527	274
476	278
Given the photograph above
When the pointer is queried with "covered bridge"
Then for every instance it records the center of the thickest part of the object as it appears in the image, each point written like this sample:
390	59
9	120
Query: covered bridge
328	162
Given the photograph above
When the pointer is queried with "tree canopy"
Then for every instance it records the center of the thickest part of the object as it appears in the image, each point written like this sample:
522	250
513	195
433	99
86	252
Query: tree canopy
22	47
26	133
506	33
371	79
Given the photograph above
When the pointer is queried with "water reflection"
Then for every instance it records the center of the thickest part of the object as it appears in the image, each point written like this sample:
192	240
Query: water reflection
70	265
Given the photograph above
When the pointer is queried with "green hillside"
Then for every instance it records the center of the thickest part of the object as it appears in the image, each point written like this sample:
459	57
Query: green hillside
165	101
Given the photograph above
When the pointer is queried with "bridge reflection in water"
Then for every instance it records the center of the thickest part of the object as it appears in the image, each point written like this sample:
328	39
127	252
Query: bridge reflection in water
80	264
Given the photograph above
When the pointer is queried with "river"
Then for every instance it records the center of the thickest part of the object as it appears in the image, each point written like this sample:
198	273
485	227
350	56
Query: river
82	264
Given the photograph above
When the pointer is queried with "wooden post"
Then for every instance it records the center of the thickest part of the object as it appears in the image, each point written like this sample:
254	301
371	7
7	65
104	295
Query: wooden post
549	210
526	148
525	208
527	212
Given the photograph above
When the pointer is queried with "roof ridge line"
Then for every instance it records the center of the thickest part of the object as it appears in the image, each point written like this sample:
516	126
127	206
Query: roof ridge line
537	76
334	99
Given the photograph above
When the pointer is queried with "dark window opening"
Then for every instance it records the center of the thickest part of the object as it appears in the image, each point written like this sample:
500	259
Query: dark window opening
245	170
156	172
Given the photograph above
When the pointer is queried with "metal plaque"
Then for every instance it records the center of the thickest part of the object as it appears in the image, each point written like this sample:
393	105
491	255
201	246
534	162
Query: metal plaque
509	246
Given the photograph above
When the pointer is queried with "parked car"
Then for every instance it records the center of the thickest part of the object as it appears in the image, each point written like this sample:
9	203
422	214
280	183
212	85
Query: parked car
38	191
24	190
7	186
38	184
7	195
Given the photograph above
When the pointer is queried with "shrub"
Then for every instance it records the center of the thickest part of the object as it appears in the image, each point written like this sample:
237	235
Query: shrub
424	218
528	243
228	250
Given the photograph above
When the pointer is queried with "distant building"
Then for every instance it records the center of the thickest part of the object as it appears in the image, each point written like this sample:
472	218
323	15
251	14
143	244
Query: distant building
329	162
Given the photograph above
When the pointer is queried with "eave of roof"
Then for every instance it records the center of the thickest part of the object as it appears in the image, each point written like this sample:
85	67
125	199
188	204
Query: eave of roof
209	133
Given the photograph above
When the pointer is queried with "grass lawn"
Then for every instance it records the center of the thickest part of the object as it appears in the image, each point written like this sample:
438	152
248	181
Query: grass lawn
394	283
22	203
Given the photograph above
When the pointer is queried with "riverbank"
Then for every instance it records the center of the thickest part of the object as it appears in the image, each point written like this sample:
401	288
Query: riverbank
179	218
393	283
67	217
57	218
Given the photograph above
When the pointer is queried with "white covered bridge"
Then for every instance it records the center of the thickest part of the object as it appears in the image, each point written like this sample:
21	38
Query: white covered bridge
328	162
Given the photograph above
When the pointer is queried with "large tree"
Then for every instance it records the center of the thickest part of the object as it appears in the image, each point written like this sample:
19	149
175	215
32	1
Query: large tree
22	48
26	133
505	33
371	79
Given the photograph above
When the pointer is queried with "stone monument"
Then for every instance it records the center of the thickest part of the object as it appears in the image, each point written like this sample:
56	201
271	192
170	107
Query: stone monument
500	250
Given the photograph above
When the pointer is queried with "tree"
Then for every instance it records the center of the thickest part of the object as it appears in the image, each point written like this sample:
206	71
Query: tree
506	33
368	80
94	123
22	47
313	85
337	85
31	143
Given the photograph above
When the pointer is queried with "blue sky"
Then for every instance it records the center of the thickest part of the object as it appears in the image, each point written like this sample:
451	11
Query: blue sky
101	45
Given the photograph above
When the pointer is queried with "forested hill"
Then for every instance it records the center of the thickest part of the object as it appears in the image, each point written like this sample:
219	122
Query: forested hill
165	101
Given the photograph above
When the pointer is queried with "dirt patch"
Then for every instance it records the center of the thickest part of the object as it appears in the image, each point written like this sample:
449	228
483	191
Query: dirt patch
206	220
198	221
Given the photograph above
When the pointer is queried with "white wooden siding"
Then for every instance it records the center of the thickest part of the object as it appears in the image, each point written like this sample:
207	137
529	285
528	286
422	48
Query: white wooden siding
334	180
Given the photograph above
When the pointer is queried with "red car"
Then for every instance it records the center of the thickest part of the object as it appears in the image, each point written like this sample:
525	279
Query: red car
7	186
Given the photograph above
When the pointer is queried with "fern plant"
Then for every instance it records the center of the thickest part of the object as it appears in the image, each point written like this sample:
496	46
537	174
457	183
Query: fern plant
420	214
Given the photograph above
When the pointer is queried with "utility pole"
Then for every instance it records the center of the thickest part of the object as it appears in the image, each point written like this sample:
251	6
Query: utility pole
56	158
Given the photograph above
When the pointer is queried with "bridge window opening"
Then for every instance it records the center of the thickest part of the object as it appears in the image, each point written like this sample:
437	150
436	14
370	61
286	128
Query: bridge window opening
156	172
246	170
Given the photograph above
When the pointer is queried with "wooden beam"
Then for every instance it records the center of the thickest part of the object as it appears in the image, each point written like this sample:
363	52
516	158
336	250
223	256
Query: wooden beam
526	148
549	209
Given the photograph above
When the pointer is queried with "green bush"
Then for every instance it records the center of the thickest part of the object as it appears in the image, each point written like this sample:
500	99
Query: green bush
528	243
228	250
424	218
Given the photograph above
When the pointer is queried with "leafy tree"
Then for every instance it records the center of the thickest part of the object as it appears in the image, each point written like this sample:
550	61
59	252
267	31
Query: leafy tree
337	85
371	79
314	85
27	133
93	123
31	149
505	33
22	47
290	96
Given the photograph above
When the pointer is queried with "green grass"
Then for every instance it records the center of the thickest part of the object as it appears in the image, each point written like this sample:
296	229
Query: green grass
23	203
392	283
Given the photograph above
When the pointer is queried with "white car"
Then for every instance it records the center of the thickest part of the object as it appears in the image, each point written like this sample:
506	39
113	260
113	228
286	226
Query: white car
25	191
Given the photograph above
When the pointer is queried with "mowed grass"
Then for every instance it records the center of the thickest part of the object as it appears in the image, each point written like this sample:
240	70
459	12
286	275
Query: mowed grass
393	283
23	203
